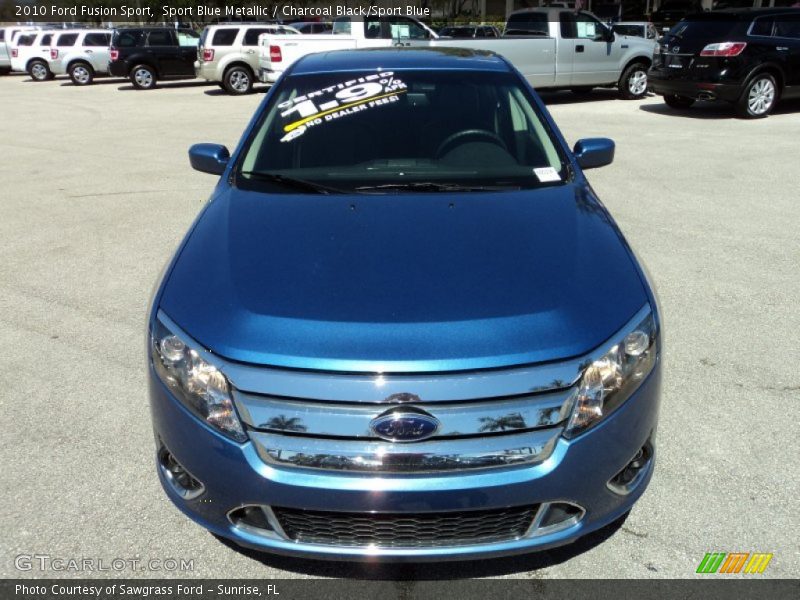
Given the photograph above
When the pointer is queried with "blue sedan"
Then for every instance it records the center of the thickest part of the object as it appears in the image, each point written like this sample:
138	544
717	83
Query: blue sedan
404	327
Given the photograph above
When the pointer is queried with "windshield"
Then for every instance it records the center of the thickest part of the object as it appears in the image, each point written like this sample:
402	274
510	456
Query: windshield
413	130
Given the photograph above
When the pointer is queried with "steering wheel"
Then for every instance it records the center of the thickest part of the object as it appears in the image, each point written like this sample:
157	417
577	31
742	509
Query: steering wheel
459	135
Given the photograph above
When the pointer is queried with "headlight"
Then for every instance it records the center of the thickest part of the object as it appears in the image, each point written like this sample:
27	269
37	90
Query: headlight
200	386
610	380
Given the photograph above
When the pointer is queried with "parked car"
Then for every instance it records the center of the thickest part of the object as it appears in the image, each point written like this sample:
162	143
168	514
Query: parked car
321	27
470	31
750	58
278	52
642	29
435	344
146	55
30	51
83	55
228	54
554	48
7	37
672	11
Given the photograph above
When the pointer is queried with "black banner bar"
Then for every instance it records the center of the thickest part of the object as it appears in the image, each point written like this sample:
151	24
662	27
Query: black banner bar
711	588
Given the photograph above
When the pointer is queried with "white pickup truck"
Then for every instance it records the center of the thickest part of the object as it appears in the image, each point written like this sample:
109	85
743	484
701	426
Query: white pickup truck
552	47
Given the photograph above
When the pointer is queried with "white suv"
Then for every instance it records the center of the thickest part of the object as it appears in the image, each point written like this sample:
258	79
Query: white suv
81	53
29	53
7	36
228	54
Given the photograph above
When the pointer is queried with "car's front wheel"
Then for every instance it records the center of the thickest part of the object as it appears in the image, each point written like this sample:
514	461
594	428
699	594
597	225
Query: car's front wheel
238	80
758	98
143	77
633	83
39	71
676	101
81	73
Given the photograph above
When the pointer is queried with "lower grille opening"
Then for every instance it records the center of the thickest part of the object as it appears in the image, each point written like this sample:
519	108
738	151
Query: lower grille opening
557	516
633	473
250	516
405	530
177	476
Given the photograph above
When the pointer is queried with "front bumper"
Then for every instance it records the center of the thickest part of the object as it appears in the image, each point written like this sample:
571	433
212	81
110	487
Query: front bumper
577	472
693	88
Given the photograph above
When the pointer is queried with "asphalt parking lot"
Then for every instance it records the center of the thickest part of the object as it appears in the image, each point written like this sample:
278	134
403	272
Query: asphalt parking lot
96	191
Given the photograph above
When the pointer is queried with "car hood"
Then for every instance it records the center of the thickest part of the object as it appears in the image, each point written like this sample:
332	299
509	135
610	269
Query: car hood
403	282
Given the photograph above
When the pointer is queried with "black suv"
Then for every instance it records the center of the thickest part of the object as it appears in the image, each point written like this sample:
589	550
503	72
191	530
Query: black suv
147	54
750	58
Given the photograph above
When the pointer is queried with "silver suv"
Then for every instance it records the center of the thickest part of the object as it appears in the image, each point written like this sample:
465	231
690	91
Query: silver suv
228	54
7	37
29	54
81	53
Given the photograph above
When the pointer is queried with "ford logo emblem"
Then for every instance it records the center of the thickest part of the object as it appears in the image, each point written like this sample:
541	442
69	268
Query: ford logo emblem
676	49
404	425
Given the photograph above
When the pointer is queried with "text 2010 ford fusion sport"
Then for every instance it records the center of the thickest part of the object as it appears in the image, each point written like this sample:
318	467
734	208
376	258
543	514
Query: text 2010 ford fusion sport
404	326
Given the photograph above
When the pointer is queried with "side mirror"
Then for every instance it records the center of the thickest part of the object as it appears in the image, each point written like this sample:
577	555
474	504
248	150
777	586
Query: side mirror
594	152
209	158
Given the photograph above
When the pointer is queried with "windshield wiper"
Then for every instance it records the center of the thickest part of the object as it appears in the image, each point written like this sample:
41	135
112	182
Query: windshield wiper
432	186
298	184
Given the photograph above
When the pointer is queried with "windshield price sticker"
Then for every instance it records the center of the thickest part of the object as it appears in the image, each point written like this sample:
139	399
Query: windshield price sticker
339	100
545	174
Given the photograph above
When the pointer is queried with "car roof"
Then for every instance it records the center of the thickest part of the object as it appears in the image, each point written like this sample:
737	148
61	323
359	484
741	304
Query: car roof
365	59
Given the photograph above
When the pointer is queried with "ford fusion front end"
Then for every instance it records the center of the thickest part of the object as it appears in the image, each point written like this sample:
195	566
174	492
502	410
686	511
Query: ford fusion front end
404	327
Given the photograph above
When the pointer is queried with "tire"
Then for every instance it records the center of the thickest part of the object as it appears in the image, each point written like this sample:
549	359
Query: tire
633	83
39	71
582	91
758	98
81	73
679	102
143	77
238	80
5	70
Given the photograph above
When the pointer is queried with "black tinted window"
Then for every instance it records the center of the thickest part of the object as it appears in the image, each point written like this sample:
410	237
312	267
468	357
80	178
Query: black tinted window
97	39
25	40
636	30
762	26
702	28
45	41
66	39
127	39
2	35
224	37
528	24
251	36
787	26
160	38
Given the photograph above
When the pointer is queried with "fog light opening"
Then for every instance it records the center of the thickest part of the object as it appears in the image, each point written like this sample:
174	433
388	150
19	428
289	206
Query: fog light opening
629	478
553	517
257	520
179	479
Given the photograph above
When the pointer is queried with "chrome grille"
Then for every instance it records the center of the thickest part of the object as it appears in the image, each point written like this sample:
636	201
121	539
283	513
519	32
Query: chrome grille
404	530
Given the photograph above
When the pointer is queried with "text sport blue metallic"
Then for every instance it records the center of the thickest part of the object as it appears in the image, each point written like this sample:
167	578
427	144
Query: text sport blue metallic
404	327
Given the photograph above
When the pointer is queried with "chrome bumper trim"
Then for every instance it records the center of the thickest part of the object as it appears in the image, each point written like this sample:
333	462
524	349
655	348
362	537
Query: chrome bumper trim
435	455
